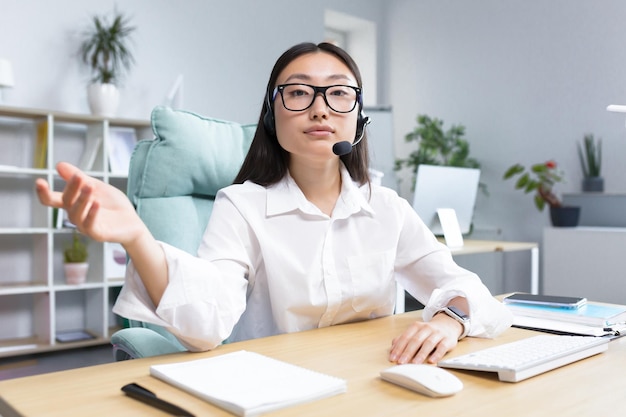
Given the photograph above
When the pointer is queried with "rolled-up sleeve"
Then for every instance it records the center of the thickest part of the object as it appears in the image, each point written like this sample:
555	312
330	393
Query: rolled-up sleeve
205	295
426	269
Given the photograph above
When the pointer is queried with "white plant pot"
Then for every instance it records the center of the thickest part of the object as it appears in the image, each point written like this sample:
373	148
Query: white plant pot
76	273
103	99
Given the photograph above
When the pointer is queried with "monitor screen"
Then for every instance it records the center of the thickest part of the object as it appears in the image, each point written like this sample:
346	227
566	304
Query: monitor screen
445	187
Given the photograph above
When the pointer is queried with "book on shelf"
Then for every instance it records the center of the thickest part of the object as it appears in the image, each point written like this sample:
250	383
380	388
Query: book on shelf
88	157
73	336
122	142
41	145
591	314
115	260
60	220
248	383
59	217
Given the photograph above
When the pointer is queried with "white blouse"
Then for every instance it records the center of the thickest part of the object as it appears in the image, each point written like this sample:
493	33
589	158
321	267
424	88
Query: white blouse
271	262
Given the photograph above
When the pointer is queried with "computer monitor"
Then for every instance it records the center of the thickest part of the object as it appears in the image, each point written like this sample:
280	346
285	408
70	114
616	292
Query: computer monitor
443	187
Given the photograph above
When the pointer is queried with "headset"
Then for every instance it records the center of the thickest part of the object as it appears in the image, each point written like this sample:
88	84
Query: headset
270	125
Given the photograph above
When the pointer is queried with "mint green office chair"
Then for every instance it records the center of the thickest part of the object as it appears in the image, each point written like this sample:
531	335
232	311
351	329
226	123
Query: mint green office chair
172	183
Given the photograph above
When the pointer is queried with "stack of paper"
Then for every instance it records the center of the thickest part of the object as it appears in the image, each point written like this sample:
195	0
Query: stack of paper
594	319
247	383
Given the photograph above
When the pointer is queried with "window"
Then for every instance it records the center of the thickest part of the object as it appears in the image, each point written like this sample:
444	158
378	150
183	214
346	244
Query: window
358	37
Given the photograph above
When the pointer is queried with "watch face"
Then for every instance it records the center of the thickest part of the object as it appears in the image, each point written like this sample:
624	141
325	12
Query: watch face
458	312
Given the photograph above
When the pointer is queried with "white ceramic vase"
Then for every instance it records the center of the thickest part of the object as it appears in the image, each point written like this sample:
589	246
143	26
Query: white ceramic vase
103	99
76	273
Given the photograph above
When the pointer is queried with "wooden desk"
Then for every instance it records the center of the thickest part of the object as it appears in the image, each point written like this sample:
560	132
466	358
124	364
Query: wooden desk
356	352
486	246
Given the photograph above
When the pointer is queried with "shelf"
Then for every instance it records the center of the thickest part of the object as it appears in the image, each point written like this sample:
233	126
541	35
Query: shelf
21	346
23	231
22	288
31	346
35	114
26	172
36	305
114	282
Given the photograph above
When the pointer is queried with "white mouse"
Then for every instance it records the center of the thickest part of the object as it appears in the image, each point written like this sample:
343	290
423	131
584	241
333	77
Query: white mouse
425	379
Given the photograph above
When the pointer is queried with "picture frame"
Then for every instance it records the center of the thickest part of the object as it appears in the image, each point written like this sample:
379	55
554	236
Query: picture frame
122	142
115	259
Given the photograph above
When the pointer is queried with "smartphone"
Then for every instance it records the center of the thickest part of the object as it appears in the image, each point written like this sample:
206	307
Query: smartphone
546	300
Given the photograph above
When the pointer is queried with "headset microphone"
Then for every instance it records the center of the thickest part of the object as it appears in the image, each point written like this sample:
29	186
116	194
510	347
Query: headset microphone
344	147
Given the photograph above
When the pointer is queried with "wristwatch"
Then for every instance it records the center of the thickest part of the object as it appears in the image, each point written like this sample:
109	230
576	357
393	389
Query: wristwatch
458	315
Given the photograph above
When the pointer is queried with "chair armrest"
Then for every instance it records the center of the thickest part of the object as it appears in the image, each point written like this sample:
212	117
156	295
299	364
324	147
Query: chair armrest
139	342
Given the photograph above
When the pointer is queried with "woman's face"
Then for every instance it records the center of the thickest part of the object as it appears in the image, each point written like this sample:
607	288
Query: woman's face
311	133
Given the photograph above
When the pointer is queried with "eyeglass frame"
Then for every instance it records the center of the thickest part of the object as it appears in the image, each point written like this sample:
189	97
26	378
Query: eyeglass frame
317	90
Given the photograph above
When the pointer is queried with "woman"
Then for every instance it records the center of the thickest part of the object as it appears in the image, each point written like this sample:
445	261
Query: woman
301	240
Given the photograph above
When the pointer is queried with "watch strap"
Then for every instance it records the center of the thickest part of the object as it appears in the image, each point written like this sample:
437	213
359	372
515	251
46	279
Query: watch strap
458	315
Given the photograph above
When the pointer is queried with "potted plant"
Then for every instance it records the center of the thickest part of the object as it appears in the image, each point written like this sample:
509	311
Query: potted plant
437	147
75	257
590	154
540	179
105	50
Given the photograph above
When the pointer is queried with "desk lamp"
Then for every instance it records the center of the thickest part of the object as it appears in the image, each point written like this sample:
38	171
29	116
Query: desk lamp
6	76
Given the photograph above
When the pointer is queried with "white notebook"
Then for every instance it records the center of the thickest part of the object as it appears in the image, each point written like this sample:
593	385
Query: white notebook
247	383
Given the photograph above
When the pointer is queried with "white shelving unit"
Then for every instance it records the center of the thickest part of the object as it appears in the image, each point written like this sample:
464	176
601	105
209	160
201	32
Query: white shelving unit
36	306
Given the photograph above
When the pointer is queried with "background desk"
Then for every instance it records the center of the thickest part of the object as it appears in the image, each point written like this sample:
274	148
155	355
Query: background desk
471	247
356	352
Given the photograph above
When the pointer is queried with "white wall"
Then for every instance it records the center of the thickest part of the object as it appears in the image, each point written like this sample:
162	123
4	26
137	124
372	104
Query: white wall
527	78
225	49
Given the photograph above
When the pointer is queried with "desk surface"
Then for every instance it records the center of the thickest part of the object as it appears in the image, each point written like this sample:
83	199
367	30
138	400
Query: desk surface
471	246
356	352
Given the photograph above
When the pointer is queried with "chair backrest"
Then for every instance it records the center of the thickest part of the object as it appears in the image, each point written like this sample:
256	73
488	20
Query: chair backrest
173	179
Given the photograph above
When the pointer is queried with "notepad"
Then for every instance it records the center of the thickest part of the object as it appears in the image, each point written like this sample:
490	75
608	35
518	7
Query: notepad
247	383
591	314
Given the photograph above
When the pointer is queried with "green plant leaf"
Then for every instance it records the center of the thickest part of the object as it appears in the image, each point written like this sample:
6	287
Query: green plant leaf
77	251
514	170
590	156
104	47
437	146
539	202
522	181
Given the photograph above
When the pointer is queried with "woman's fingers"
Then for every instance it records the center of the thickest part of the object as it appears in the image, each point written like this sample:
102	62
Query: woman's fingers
421	342
76	198
46	195
78	203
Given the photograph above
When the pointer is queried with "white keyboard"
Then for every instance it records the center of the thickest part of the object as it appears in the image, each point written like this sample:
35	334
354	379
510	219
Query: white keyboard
525	358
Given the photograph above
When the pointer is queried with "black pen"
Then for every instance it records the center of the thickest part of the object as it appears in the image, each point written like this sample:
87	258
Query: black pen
138	392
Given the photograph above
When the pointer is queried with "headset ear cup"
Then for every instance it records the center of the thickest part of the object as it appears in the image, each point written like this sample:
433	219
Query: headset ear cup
268	122
361	122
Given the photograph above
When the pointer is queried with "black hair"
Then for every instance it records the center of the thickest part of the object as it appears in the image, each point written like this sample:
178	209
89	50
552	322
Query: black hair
267	162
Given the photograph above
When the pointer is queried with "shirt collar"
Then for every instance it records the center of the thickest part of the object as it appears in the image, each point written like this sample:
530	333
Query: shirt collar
285	196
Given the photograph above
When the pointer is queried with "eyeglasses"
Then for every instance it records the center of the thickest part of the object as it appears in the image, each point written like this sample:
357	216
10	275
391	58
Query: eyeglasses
299	97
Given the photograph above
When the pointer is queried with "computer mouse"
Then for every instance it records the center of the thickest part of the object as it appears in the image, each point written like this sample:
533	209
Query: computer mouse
425	379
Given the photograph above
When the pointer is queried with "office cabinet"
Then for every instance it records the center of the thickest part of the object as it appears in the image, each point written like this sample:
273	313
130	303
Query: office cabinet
585	261
37	307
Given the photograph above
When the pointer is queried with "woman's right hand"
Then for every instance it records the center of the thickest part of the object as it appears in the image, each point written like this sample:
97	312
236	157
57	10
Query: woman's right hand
98	210
105	214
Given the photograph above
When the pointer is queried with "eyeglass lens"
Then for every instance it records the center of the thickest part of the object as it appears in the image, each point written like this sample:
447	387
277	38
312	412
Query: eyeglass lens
298	97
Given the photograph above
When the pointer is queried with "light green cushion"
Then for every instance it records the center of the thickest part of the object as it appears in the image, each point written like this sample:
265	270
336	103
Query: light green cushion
174	178
191	155
141	342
